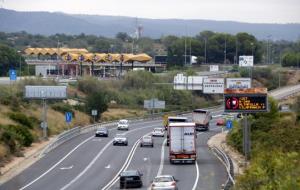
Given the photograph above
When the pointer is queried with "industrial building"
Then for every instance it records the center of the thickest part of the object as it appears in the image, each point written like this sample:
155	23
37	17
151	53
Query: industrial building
67	62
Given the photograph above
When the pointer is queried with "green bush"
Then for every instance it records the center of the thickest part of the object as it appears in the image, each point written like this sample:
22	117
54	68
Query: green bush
12	135
97	101
63	108
22	119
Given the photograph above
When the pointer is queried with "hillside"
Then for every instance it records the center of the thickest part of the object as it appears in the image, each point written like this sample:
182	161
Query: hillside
47	23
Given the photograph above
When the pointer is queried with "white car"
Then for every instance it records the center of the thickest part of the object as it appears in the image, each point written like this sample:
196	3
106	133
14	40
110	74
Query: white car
120	139
158	132
164	182
123	125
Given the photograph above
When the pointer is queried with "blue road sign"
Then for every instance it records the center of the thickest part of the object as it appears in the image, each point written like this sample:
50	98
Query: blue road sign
229	124
12	74
68	117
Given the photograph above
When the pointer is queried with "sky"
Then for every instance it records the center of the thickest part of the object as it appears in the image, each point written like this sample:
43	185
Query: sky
252	11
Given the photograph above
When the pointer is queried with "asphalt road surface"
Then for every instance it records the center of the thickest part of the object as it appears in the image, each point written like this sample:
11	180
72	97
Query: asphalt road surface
88	162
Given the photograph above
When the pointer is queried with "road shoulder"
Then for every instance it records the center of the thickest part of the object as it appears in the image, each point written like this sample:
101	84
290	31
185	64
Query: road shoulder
238	160
19	164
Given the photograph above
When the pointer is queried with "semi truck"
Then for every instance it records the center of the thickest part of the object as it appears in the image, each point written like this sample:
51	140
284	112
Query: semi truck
182	148
172	119
201	118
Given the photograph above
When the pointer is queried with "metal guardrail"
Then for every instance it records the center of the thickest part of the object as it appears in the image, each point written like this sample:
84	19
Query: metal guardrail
226	160
278	94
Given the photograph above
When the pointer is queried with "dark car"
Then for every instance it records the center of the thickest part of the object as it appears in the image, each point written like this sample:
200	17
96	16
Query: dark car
131	178
101	132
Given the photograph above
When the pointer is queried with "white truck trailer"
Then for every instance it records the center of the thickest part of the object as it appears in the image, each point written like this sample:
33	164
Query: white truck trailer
182	147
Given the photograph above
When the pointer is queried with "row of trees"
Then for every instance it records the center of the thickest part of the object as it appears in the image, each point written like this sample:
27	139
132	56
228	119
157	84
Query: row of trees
212	47
208	46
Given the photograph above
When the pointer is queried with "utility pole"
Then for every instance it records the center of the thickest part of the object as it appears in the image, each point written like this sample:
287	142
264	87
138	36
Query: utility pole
205	39
185	51
190	50
20	63
225	51
236	51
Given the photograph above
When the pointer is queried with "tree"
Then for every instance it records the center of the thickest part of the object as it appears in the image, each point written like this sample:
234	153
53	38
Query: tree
123	36
9	59
97	101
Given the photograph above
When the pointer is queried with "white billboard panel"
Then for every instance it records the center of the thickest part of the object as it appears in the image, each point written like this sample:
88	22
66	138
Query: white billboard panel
46	92
213	85
238	83
180	82
154	104
213	68
245	61
195	83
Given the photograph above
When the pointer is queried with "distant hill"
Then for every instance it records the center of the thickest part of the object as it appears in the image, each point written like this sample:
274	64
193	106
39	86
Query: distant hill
47	23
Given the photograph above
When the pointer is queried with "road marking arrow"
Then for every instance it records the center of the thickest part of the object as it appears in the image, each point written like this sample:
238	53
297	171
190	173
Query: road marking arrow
108	166
66	168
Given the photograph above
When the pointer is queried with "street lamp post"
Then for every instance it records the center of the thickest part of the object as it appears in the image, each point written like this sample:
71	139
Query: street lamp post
225	49
205	41
20	66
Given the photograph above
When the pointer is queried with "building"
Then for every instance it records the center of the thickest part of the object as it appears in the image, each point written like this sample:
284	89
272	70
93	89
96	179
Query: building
67	62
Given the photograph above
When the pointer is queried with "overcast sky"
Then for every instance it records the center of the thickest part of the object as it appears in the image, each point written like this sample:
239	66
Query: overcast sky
255	11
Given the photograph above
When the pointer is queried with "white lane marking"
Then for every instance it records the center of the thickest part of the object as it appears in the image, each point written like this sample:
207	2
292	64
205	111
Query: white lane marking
145	159
197	178
125	165
162	158
66	168
96	158
50	169
108	166
98	140
67	155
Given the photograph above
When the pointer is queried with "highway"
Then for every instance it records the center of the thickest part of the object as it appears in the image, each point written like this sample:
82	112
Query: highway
88	162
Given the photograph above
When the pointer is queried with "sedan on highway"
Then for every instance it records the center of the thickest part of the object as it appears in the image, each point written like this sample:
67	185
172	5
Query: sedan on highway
120	139
164	182
158	132
131	178
101	132
221	122
123	125
147	141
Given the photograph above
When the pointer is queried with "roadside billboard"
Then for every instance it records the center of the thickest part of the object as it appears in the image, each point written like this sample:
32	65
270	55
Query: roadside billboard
46	92
180	82
213	85
251	100
238	83
195	83
213	68
245	61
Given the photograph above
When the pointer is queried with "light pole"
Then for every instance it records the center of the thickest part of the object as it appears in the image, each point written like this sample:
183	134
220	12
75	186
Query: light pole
225	51
20	66
236	50
205	41
252	47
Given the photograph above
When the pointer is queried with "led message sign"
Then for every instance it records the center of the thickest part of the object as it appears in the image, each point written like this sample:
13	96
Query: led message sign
246	101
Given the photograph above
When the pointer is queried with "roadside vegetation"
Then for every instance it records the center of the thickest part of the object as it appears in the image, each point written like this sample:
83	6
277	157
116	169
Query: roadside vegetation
275	156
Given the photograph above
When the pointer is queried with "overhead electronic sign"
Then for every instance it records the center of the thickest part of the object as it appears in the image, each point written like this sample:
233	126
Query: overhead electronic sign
250	100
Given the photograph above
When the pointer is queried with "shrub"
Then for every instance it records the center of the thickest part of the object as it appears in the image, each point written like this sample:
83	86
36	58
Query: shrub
97	101
63	108
21	119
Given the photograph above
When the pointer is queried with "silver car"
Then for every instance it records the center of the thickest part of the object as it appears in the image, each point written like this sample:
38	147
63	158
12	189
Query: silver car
147	141
164	182
120	139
